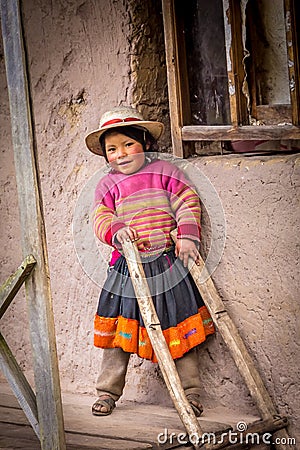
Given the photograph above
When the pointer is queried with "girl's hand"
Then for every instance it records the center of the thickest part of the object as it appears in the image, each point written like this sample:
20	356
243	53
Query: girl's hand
126	234
185	249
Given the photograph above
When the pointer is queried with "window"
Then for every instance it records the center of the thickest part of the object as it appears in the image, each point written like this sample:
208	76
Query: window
233	70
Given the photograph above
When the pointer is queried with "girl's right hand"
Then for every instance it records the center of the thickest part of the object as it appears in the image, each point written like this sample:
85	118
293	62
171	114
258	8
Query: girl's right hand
127	234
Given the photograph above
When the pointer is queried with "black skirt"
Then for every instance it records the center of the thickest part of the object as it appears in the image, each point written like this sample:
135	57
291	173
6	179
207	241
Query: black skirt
184	318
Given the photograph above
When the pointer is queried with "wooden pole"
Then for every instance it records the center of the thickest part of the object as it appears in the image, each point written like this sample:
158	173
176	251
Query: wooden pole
19	385
38	293
9	289
8	364
173	76
158	342
236	346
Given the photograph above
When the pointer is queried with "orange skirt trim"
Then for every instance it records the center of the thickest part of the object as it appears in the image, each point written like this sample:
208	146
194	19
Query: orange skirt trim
131	337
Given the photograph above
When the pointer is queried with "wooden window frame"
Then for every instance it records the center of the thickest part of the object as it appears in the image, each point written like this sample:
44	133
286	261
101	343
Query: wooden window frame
184	134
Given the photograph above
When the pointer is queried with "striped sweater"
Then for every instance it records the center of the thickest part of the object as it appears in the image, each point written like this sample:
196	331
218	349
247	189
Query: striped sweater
154	201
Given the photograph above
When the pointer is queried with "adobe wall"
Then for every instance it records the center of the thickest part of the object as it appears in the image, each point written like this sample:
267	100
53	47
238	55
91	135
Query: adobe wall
83	59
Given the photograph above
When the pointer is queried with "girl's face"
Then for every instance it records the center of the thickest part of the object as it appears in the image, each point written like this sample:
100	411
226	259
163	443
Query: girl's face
124	154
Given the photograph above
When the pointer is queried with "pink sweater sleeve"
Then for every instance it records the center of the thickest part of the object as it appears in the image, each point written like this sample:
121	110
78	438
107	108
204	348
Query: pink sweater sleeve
105	221
185	204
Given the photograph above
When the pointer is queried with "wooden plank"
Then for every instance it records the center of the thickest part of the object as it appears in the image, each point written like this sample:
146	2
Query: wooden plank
234	56
21	437
33	234
146	421
12	285
235	344
19	384
158	341
148	425
13	436
143	427
173	76
232	88
293	57
184	101
247	132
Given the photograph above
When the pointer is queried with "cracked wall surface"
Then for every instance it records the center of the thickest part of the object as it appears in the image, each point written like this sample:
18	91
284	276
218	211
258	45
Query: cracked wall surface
84	59
148	87
258	275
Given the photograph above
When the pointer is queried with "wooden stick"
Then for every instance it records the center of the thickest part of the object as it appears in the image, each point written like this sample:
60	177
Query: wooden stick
19	385
175	103
235	344
9	366
11	286
38	293
158	341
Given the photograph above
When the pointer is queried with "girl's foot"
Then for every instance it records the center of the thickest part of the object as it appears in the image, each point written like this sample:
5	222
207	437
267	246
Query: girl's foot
103	406
195	404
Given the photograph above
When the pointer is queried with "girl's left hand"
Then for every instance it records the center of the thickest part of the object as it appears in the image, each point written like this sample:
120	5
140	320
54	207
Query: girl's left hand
185	249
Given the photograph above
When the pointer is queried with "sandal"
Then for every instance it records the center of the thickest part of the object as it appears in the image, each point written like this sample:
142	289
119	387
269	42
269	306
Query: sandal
103	401
194	402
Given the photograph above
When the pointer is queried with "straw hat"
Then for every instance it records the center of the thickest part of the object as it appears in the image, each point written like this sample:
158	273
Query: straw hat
122	116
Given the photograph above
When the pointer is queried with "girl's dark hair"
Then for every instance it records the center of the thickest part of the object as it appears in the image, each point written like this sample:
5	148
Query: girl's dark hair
139	134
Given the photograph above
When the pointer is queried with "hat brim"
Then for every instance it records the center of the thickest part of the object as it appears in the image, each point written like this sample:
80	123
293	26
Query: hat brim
92	139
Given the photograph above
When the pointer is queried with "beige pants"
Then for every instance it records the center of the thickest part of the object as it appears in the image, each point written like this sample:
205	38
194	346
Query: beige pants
114	367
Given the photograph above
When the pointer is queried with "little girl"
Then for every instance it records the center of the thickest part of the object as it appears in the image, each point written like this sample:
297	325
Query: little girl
143	199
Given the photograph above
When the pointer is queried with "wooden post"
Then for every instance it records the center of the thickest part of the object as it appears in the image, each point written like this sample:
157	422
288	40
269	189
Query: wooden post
235	345
38	294
19	385
12	285
173	76
293	62
158	341
8	364
234	58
